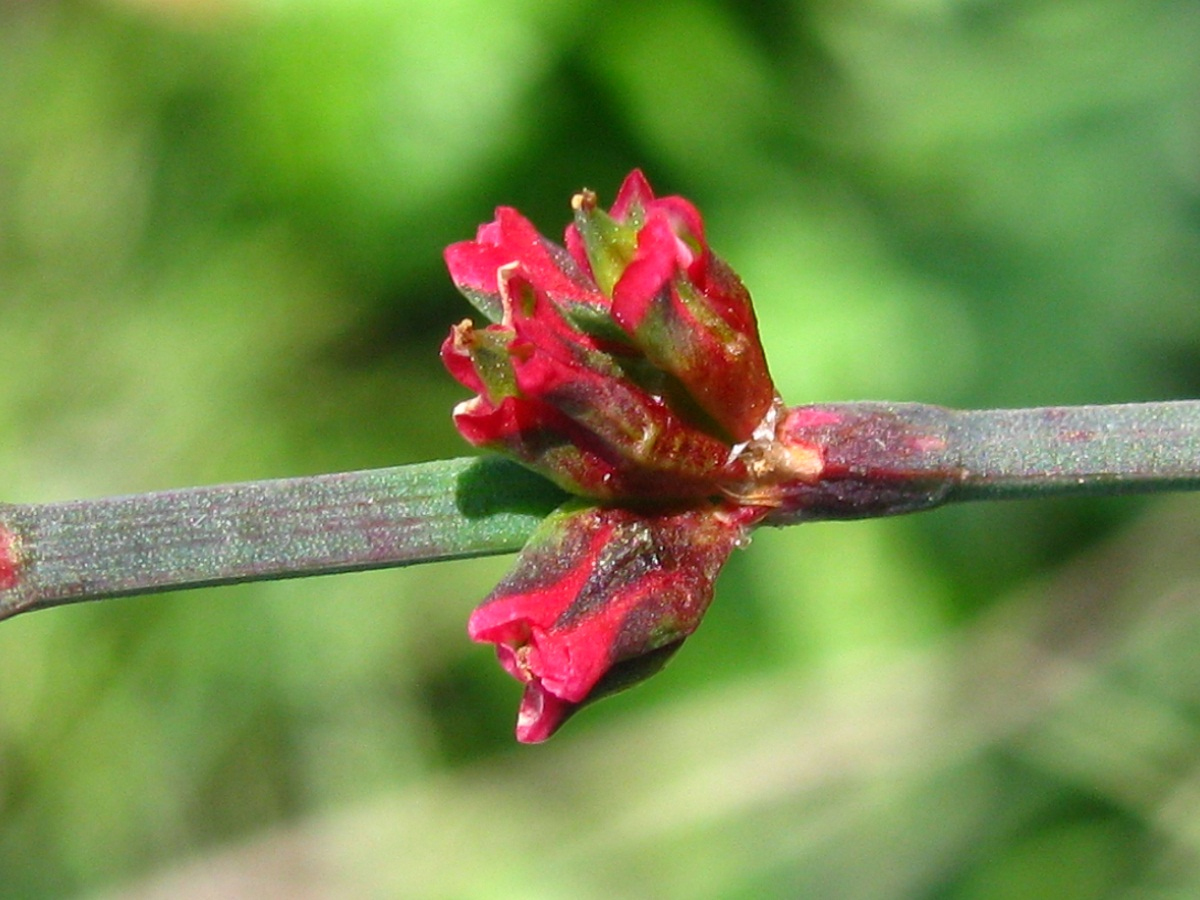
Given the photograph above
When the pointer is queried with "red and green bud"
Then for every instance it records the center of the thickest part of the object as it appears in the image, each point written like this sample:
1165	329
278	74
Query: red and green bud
627	368
681	306
599	599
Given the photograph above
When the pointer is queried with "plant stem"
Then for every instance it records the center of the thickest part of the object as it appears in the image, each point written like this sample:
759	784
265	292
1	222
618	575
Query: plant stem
890	458
1078	450
880	459
91	549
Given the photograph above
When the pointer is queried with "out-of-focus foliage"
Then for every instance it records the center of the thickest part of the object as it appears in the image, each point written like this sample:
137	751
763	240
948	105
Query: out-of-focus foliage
220	234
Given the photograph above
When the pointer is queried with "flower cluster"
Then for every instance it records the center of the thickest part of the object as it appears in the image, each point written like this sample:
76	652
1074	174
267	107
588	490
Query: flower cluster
624	365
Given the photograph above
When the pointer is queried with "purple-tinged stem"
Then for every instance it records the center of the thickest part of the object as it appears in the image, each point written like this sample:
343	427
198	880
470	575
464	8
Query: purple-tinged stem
889	458
879	459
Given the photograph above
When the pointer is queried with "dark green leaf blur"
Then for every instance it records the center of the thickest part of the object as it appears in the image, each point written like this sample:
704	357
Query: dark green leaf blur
221	225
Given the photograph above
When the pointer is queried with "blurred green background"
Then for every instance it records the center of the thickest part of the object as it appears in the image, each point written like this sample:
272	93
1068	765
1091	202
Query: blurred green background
220	233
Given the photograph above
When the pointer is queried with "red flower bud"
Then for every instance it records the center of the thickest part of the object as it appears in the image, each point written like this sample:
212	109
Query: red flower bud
599	599
681	305
627	369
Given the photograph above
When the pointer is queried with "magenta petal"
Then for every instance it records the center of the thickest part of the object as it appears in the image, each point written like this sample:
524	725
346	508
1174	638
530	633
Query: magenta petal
635	191
569	663
458	363
651	270
510	242
540	714
578	250
685	219
474	265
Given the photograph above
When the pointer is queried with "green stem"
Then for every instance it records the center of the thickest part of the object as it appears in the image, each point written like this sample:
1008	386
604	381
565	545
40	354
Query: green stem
880	459
1078	450
58	553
